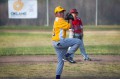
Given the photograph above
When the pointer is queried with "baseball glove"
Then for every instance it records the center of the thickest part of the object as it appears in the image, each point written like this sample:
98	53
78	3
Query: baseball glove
69	17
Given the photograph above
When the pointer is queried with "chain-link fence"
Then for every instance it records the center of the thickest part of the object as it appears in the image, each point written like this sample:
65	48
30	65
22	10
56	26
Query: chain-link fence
108	12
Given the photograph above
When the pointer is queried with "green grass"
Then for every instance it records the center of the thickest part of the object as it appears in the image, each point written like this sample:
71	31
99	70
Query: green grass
49	28
43	28
25	42
102	40
41	50
48	50
101	27
103	50
47	70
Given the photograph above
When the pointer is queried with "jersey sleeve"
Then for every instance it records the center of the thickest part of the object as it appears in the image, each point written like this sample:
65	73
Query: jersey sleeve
80	21
63	24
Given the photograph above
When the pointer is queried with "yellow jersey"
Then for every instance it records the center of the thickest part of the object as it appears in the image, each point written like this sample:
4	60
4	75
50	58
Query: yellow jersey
59	29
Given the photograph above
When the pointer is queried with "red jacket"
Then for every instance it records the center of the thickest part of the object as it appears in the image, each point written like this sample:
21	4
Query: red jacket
77	26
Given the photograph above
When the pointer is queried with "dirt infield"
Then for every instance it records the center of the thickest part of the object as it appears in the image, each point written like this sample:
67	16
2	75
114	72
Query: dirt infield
53	58
103	59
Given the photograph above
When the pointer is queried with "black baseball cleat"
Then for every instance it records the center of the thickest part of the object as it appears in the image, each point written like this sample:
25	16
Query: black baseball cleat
87	59
69	59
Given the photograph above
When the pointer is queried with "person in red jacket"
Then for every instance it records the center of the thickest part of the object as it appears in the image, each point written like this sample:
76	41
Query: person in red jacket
77	29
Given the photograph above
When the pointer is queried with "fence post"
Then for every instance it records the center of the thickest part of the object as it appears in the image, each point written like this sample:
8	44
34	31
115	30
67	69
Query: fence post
96	16
47	12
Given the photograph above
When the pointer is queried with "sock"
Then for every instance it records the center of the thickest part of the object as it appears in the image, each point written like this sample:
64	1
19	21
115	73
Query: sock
57	76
